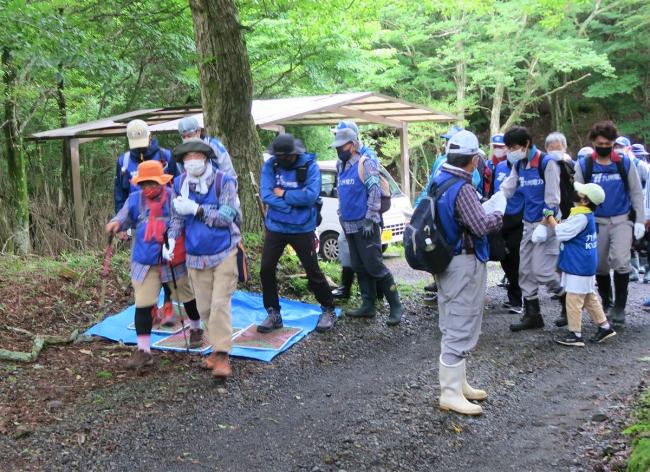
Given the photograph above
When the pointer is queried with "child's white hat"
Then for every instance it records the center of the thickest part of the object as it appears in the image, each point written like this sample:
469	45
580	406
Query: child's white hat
593	192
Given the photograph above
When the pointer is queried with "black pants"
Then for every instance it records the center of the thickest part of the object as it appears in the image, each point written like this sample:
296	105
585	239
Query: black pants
365	254
303	244
512	233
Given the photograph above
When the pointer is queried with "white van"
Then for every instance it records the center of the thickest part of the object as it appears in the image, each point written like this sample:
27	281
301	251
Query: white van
328	231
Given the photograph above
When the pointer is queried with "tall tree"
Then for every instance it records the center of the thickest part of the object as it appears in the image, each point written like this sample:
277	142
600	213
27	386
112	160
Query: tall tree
227	94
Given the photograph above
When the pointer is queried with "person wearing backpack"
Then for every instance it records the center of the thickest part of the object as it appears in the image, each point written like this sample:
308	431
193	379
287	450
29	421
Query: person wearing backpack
206	207
149	211
620	219
142	148
189	128
360	204
464	224
290	184
537	177
513	225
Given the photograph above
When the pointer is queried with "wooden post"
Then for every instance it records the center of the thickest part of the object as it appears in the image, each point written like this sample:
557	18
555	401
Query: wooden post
76	191
404	147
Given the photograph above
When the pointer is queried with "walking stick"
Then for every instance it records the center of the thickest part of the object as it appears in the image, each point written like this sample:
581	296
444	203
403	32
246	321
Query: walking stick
108	253
258	199
178	303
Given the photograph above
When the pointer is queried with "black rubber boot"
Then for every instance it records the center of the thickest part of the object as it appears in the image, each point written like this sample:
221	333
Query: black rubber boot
562	319
617	313
343	291
532	318
368	288
604	283
392	297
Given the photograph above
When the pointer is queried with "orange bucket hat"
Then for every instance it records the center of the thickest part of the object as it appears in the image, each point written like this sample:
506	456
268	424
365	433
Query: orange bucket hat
153	171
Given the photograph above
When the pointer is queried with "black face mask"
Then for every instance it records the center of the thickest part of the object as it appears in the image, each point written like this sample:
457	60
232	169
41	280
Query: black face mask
287	162
343	155
139	154
604	151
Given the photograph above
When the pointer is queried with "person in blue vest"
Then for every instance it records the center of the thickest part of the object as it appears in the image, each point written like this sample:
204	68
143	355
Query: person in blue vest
537	253
206	207
513	226
359	213
638	155
462	285
290	184
149	210
189	128
342	292
620	219
142	148
578	261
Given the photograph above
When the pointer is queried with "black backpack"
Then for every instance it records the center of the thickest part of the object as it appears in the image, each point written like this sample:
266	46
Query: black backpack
567	173
425	245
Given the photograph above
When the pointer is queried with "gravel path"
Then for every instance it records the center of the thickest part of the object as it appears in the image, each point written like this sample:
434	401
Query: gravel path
361	398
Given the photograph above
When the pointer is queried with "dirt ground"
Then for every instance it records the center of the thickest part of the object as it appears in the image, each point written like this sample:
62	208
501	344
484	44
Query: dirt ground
361	398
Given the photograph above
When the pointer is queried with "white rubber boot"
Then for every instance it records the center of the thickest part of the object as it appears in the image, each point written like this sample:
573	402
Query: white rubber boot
470	392
452	378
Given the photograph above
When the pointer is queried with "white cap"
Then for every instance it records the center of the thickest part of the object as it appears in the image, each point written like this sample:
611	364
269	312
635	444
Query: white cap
464	143
137	133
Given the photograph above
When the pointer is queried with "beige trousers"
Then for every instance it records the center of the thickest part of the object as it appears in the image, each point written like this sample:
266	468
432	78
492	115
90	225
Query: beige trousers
214	287
574	304
148	291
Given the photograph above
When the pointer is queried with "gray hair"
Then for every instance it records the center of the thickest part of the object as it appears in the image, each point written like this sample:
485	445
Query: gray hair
555	137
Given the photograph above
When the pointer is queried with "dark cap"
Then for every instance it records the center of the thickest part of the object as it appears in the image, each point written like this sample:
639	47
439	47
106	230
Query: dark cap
286	145
192	145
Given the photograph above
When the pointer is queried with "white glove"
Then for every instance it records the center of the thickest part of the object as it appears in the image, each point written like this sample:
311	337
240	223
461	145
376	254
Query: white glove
496	203
129	233
185	206
639	230
168	252
539	234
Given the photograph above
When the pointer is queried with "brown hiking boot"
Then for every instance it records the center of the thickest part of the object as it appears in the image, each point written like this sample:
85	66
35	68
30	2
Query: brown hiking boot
138	360
327	320
208	362
272	321
221	365
196	338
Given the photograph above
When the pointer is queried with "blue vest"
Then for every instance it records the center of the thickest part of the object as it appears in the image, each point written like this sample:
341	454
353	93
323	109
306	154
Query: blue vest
532	189
201	239
617	200
353	197
130	167
446	208
579	256
146	252
515	204
286	179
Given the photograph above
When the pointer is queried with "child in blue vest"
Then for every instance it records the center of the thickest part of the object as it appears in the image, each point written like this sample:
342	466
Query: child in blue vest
578	261
148	211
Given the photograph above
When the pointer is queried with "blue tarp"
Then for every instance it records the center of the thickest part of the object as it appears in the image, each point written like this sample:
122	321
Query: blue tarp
247	308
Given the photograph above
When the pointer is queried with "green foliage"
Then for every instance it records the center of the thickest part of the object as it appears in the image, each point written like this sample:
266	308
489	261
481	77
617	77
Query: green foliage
640	458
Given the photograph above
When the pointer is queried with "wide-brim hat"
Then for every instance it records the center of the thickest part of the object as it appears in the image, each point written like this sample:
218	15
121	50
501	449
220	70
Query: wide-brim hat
593	192
286	145
192	145
151	171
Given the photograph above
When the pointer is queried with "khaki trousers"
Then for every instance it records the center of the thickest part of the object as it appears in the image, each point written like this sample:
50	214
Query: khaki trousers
574	304
615	236
214	287
148	291
538	263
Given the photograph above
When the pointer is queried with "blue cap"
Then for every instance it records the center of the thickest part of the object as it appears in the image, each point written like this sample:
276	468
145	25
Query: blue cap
189	124
639	150
347	125
452	131
623	141
497	140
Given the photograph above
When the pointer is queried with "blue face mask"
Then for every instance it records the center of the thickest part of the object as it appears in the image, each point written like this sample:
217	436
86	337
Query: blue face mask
476	178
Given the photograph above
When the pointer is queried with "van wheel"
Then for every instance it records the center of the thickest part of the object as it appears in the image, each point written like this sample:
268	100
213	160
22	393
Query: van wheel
329	246
383	248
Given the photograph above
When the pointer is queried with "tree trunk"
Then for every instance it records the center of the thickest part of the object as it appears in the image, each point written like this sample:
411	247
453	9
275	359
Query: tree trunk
227	94
497	103
16	171
64	188
461	83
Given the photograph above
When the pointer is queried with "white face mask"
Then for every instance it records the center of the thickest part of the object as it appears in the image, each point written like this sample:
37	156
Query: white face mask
499	152
195	168
516	156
